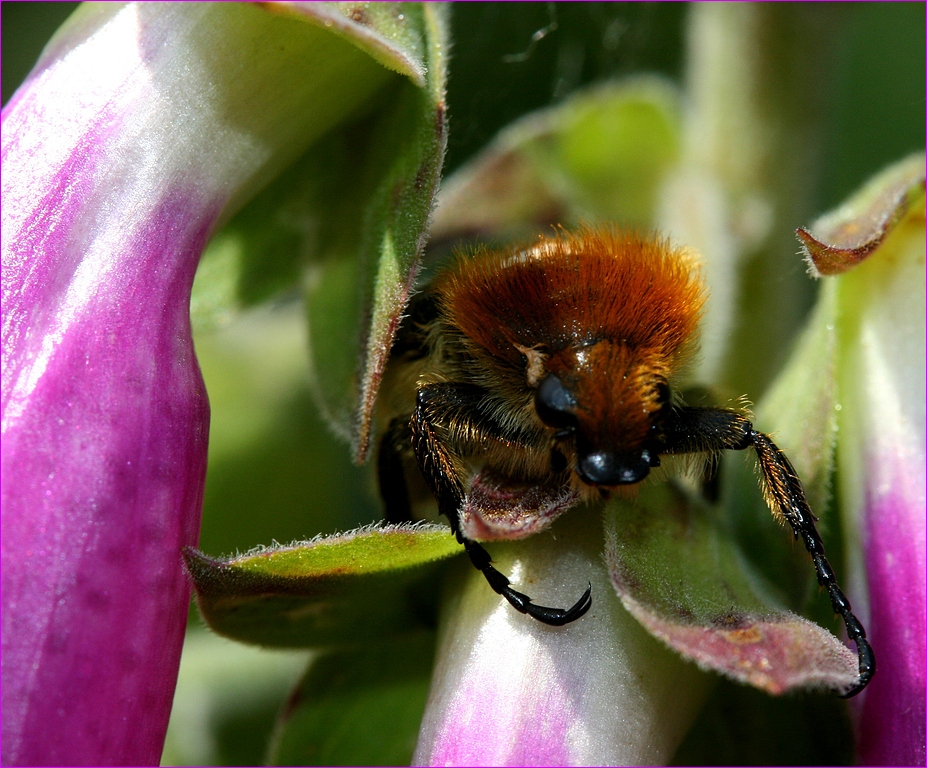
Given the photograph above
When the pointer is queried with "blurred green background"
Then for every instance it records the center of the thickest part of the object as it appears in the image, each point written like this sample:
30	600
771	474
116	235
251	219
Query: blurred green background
543	51
275	470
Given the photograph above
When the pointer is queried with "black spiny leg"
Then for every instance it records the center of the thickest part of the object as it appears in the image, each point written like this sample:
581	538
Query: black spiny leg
689	430
438	403
784	491
391	473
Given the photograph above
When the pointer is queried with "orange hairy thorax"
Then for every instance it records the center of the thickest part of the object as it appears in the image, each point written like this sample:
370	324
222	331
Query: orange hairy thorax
576	290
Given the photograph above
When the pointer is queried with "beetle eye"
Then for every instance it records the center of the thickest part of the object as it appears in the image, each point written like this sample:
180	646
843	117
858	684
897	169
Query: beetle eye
555	404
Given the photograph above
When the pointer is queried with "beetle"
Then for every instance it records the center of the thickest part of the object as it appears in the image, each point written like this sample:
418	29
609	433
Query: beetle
558	362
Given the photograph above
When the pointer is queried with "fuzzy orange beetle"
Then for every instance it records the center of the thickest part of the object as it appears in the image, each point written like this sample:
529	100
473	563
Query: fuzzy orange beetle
558	362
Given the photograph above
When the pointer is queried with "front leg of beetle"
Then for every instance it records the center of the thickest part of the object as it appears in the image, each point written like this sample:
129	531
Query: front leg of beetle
391	471
436	406
691	430
434	458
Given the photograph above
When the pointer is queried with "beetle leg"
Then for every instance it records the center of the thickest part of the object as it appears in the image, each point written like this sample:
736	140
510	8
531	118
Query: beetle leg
434	404
690	430
391	474
784	492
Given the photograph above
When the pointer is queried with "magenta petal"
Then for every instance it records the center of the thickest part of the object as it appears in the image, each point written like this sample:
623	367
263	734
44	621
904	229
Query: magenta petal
105	416
891	723
143	126
105	426
879	315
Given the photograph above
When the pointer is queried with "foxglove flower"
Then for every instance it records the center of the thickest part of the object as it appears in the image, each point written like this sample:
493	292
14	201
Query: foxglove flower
870	254
505	692
142	128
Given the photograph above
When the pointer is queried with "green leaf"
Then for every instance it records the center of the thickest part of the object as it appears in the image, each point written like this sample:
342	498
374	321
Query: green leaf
803	406
227	699
684	579
357	293
806	406
800	411
601	154
345	589
347	219
265	247
358	707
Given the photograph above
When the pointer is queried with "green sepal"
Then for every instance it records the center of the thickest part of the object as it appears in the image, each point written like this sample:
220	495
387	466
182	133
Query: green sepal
843	238
389	32
357	292
800	407
337	590
679	573
357	707
346	221
600	155
261	251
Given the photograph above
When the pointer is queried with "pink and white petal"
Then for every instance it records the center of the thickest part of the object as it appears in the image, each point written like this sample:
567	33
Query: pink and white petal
881	458
142	126
508	690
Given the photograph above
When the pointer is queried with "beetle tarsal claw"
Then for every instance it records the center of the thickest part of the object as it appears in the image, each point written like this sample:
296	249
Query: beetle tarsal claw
556	617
